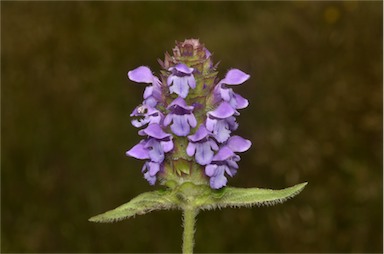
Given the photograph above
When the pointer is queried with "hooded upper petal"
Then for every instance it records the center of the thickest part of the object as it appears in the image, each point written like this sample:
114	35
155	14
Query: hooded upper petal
155	150
181	68
218	180
204	153
223	154
241	102
200	134
235	77
150	169
224	110
180	125
179	102
238	144
154	130
138	151
181	79
141	74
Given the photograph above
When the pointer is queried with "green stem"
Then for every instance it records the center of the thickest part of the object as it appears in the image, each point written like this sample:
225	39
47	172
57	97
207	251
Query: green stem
189	215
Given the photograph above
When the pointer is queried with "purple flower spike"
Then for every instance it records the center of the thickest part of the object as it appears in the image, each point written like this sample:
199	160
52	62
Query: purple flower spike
166	123
202	146
182	78
181	116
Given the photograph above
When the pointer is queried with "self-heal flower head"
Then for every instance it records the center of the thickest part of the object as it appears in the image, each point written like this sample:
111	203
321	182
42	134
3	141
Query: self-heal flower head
186	122
181	80
188	94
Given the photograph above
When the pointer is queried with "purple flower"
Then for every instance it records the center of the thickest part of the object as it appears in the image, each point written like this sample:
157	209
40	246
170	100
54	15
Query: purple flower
143	74
150	169
158	143
148	115
182	78
216	174
139	151
221	121
225	161
181	116
233	77
154	147
202	146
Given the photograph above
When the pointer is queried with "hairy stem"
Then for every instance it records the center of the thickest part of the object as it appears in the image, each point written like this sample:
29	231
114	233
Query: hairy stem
189	215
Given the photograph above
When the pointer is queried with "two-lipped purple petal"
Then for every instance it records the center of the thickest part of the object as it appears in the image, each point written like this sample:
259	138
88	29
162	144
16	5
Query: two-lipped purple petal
225	160
148	115
233	77
181	117
221	121
238	144
224	110
154	131
221	128
181	79
143	74
150	169
216	173
139	151
202	146
203	151
153	148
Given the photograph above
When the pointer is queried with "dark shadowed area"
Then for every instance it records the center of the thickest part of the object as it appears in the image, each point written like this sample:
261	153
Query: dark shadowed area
315	115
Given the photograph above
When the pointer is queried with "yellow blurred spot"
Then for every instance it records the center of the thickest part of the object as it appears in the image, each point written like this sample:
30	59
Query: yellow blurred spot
331	15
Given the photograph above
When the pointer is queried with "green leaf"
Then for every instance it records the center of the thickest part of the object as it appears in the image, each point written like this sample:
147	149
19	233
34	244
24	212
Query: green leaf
142	204
247	197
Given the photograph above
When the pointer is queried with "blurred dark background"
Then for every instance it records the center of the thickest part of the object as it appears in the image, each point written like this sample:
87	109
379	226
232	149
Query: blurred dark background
315	115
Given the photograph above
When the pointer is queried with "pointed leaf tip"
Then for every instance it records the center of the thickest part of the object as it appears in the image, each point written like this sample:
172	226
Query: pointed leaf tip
142	204
248	197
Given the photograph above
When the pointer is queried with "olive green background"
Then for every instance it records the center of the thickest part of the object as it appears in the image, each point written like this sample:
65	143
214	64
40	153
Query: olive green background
315	115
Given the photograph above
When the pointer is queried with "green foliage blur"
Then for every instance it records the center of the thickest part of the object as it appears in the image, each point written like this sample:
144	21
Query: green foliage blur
315	115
